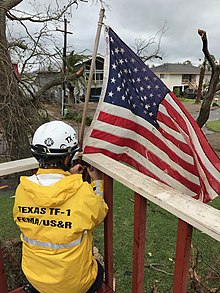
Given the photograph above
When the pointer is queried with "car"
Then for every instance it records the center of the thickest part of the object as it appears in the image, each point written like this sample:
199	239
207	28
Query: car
190	93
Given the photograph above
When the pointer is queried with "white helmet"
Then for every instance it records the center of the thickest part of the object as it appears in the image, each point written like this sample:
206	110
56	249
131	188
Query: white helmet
54	139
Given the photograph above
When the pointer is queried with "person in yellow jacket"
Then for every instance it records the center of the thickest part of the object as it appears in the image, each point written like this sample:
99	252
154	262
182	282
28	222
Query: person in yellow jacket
56	212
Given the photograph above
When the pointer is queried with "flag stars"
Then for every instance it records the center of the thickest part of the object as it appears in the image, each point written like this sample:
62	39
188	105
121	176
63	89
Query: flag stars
117	50
114	66
110	94
147	106
123	98
156	87
148	87
134	106
122	50
135	70
121	61
113	80
133	60
118	88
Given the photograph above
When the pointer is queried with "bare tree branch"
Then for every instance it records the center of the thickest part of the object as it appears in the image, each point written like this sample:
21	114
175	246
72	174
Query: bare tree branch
57	81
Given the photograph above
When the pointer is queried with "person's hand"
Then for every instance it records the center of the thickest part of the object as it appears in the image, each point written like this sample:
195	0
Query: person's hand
77	169
94	173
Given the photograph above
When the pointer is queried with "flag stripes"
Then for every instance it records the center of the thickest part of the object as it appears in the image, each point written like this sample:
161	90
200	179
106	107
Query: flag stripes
141	123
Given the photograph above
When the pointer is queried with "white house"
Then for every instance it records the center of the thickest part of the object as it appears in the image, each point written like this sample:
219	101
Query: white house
180	76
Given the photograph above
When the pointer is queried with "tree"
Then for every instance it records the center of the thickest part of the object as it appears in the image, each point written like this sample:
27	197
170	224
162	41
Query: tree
201	78
18	102
74	63
150	49
187	62
213	84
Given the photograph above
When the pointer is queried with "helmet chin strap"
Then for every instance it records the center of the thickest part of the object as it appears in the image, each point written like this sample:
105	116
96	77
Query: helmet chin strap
67	163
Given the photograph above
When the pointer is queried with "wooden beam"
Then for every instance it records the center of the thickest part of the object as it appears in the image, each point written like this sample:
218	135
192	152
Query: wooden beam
199	215
140	204
18	166
182	259
108	231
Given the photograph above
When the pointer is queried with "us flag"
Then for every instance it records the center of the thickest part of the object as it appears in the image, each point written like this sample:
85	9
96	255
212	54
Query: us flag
141	123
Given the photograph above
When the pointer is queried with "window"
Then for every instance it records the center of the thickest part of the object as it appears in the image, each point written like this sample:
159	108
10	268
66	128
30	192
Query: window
188	77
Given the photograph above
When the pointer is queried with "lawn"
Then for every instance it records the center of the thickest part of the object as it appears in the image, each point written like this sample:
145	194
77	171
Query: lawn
213	125
160	242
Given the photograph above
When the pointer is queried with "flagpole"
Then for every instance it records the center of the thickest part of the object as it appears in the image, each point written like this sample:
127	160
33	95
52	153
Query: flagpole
88	89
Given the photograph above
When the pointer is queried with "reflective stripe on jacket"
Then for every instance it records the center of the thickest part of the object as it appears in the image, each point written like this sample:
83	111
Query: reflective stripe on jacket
56	213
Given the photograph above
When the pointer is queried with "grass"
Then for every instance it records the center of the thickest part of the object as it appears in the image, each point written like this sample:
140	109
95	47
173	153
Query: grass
160	241
185	100
213	125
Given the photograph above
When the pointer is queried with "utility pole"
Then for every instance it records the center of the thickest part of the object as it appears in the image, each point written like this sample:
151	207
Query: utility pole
64	96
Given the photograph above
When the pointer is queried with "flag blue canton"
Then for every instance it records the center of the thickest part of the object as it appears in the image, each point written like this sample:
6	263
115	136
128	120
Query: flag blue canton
131	83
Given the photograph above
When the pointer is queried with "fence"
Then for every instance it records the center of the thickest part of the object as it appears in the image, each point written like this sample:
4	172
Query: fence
191	213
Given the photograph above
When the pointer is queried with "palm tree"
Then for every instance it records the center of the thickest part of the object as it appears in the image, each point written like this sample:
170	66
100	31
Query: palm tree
74	63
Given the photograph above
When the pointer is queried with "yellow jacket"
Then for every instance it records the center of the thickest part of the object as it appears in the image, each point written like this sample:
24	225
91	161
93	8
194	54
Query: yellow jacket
56	213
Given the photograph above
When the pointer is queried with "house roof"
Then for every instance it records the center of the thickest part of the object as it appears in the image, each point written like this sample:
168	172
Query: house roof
176	68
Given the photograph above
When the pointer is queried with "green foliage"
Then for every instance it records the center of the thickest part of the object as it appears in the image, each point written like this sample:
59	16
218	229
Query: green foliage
88	120
213	125
78	117
176	92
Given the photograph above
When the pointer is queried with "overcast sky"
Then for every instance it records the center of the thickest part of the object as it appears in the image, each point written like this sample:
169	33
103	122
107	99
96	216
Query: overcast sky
144	18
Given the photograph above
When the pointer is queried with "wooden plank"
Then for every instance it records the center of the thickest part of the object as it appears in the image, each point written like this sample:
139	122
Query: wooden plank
182	259
108	231
140	204
18	166
199	215
3	282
